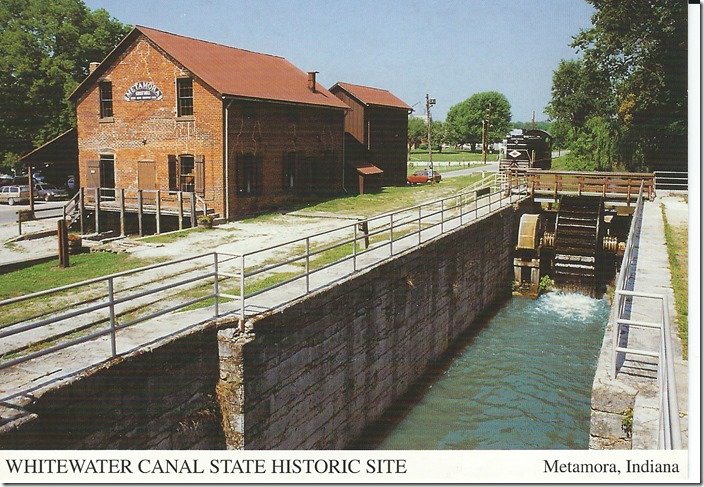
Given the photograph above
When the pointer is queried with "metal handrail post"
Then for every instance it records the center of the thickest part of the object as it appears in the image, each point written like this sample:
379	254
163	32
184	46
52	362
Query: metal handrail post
81	207
307	264
420	224
442	217
354	248
97	210
179	197
216	285
391	234
615	332
111	300
242	294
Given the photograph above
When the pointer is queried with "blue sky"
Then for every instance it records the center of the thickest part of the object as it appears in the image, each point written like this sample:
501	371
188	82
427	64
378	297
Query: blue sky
450	49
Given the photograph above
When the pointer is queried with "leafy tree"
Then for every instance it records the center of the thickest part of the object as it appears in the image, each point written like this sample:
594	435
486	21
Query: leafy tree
561	133
634	66
596	145
465	119
529	125
45	50
417	132
578	92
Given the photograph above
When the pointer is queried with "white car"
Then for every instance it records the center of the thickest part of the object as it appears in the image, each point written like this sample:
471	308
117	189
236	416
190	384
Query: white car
14	194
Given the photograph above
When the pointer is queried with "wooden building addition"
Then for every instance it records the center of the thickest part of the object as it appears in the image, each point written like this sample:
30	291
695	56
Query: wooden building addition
376	128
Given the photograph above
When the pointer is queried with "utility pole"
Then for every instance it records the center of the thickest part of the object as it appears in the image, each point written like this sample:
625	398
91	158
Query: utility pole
428	103
486	123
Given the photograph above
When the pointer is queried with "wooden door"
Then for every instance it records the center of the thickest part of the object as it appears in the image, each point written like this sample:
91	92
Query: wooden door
146	181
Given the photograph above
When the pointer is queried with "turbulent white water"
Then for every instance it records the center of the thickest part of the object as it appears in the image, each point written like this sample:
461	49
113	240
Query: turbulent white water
523	382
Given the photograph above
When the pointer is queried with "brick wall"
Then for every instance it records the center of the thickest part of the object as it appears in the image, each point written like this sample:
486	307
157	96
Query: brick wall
314	374
268	131
149	130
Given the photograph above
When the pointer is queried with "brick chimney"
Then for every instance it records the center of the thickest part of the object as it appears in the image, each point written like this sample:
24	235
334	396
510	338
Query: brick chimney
311	80
92	67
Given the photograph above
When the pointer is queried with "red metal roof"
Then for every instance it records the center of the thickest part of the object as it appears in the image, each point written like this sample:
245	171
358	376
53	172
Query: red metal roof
366	168
372	96
236	72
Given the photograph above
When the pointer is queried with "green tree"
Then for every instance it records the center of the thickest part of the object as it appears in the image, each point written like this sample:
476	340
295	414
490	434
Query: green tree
579	95
641	48
417	132
465	119
595	147
45	50
529	125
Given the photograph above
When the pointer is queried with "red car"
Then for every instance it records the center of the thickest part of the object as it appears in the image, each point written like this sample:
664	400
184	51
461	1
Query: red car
422	177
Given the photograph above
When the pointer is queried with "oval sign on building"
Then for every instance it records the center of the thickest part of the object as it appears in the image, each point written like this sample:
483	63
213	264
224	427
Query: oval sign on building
143	90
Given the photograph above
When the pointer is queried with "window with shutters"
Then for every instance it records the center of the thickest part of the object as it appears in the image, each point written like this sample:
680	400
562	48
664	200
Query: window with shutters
249	175
105	89
187	173
184	94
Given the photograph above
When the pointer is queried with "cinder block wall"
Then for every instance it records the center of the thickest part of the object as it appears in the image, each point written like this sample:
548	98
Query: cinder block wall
313	374
161	398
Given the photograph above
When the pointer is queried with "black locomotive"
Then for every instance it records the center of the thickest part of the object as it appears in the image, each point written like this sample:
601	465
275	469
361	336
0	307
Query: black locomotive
528	149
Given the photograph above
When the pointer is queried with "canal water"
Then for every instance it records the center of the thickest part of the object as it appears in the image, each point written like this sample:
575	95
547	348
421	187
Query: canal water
523	381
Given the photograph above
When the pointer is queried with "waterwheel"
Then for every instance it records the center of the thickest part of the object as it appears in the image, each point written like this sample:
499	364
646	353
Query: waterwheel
578	236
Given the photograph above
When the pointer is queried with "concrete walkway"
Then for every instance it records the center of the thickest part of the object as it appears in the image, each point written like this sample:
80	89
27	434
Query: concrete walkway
635	385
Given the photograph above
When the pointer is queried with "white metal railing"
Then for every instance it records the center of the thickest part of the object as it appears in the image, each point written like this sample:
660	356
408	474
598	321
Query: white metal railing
669	429
671	180
106	305
102	306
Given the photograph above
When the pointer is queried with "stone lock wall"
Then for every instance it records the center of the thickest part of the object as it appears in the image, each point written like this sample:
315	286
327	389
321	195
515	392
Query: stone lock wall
160	398
313	374
310	375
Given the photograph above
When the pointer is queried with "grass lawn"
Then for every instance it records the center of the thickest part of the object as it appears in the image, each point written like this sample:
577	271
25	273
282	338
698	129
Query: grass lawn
392	198
49	275
450	155
678	255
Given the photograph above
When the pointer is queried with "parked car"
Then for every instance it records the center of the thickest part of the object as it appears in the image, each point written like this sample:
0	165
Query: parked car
49	192
422	177
14	194
5	179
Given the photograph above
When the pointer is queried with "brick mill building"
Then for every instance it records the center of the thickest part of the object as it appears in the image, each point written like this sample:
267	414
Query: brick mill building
241	130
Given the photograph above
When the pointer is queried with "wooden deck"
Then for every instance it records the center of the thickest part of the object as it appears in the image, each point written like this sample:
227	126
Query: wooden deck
181	204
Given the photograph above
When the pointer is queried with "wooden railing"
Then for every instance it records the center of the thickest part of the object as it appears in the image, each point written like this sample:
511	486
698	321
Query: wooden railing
619	185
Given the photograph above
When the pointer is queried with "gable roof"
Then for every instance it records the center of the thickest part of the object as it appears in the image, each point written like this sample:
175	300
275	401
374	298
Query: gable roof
230	71
372	96
63	147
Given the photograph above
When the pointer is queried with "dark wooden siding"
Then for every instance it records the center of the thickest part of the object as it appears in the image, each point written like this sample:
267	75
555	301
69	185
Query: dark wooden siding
387	144
354	121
